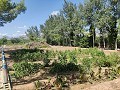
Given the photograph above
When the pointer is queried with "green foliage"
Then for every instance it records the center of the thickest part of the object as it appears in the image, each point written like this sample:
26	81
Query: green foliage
19	40
94	52
79	25
3	41
33	33
98	58
27	55
72	57
78	60
62	57
46	60
87	63
71	67
10	10
57	68
33	55
63	68
64	28
24	69
107	61
15	40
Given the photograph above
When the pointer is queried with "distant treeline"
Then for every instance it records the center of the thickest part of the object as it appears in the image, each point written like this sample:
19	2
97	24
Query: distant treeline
89	24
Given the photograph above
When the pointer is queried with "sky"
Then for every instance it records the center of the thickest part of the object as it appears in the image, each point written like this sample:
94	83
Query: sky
38	11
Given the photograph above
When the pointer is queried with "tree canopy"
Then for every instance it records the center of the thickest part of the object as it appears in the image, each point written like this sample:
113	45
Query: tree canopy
10	10
33	33
81	25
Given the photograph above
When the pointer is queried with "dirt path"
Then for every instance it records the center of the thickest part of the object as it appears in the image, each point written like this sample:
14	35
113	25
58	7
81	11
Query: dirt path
109	85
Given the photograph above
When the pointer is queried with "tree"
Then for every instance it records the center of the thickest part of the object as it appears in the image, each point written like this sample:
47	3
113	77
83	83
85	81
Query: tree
15	40
73	21
108	16
9	10
90	11
69	11
64	28
53	30
114	13
33	33
3	40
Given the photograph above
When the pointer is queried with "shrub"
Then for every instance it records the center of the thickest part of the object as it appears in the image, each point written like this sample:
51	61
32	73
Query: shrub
71	67
46	60
27	55
57	68
24	69
96	52
72	57
62	57
107	61
87	63
60	68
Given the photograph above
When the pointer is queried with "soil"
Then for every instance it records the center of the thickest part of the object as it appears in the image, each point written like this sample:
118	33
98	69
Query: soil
29	83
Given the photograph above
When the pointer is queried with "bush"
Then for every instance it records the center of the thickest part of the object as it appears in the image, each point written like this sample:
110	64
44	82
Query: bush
107	61
71	67
87	63
94	52
57	68
72	57
24	69
27	55
60	68
62	57
46	60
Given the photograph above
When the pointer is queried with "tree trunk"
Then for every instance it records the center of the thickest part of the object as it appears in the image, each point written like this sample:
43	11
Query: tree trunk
112	35
92	36
93	40
116	45
104	42
112	40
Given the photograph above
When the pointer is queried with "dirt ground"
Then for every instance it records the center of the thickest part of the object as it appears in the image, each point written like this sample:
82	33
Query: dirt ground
108	85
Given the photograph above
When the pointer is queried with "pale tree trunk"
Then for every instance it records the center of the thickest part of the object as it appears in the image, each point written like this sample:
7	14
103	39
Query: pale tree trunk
93	41
116	44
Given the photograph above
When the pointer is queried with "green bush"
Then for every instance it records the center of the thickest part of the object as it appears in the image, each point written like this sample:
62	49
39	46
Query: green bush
62	57
71	67
72	57
60	68
32	55
27	55
46	60
107	61
87	62
57	68
24	69
94	52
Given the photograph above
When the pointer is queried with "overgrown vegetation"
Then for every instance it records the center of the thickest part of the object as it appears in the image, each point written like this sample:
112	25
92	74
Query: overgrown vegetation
59	68
70	67
25	69
78	60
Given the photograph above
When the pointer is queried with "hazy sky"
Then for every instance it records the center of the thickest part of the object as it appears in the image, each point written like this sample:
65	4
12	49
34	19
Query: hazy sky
37	12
